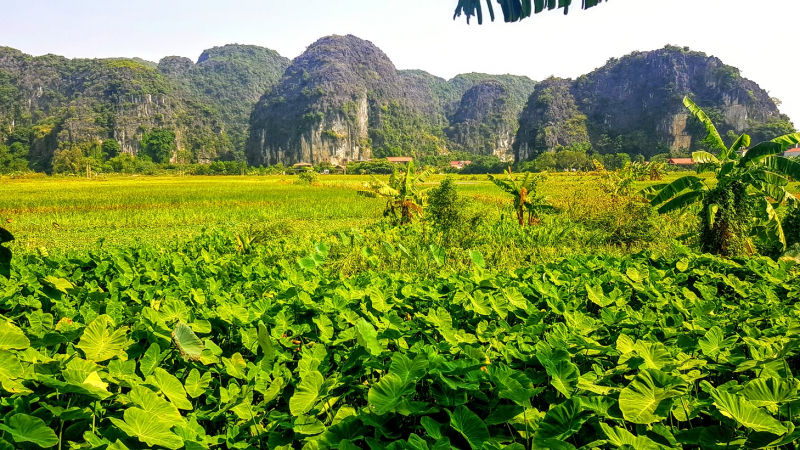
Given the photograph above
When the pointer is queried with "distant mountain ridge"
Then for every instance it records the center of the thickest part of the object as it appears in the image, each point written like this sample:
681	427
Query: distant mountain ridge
343	100
51	102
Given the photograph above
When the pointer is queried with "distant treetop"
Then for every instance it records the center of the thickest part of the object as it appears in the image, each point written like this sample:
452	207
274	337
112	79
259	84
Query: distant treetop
515	10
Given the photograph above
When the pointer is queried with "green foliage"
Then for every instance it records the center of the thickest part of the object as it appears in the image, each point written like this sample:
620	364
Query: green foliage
110	148
771	130
405	199
523	188
69	160
194	344
400	132
449	213
307	177
159	144
14	158
749	189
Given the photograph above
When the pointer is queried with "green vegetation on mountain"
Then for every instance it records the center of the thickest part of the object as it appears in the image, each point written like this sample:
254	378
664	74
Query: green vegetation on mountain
232	79
634	105
50	104
344	100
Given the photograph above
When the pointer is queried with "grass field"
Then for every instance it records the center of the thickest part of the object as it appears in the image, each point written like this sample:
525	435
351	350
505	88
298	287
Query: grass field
70	213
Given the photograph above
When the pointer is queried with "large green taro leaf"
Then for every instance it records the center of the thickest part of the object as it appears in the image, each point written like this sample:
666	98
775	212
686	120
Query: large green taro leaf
645	399
25	428
386	394
142	425
307	393
470	426
99	342
12	337
562	421
187	342
741	410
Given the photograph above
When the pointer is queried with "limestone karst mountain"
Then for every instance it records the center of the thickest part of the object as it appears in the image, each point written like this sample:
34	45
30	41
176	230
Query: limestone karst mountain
634	105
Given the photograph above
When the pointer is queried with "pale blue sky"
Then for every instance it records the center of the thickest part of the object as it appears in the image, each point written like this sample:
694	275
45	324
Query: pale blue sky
420	34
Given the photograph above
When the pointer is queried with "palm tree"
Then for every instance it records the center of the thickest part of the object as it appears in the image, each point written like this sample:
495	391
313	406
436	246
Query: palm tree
404	198
749	188
524	192
515	10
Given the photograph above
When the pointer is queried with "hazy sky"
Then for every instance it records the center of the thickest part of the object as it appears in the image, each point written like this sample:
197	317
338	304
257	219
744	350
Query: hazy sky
420	34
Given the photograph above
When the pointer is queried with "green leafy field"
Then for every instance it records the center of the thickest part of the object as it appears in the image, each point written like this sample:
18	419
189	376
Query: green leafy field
289	323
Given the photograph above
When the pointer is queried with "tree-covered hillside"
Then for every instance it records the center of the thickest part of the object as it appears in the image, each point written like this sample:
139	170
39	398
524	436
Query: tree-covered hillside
54	107
231	78
634	105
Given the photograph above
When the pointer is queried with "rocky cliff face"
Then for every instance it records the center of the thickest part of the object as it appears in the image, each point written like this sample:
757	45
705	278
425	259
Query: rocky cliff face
550	120
55	102
231	79
634	105
485	121
336	101
344	100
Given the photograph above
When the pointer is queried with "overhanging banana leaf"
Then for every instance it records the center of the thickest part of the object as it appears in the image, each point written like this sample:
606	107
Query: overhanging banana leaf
676	187
682	201
777	193
787	141
422	177
783	166
713	135
772	229
769	178
515	10
760	152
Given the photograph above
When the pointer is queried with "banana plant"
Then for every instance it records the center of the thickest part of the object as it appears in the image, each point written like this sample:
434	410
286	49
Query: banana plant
758	177
524	191
405	200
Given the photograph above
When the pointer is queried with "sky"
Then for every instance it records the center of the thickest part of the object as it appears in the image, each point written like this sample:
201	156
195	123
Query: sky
421	34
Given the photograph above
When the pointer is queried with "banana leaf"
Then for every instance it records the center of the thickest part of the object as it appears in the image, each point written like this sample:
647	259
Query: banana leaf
713	135
676	187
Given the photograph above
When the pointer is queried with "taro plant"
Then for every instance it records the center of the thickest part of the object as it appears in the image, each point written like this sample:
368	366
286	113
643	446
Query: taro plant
523	189
405	199
741	205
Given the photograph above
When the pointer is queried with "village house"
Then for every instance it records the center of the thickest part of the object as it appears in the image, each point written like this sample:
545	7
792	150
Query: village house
400	159
458	165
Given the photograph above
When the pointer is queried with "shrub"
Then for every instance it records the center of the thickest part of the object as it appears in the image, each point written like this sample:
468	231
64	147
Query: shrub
445	206
307	177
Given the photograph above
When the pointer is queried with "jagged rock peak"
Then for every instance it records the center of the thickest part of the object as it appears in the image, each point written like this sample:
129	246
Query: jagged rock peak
634	104
325	104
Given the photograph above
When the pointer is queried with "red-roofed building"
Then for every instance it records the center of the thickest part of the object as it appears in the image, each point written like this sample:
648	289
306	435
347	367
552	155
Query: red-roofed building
681	162
792	153
400	159
459	164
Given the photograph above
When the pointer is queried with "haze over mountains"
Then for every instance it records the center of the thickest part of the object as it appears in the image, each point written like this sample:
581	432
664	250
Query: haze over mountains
344	100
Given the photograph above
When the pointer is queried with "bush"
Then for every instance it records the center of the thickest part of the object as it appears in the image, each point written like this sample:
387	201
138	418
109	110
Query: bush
630	223
449	213
307	177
